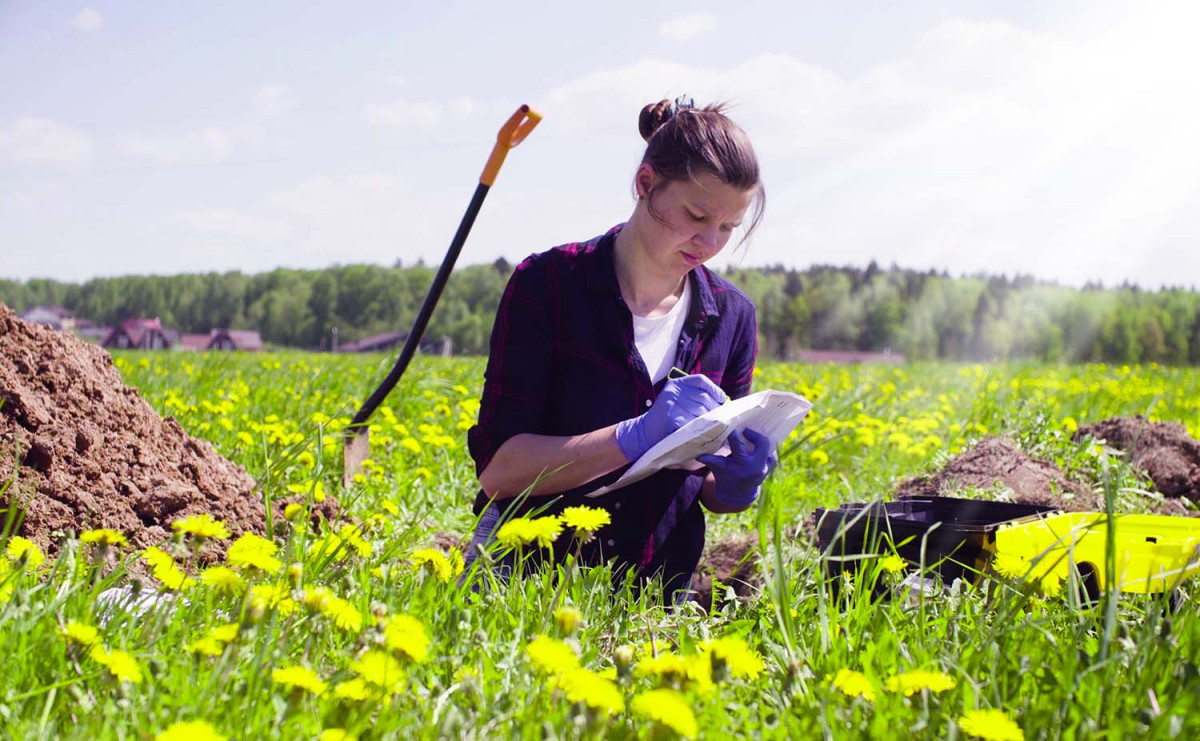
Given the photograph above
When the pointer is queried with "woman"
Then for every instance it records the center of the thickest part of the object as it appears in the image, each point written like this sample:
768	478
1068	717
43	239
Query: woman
576	385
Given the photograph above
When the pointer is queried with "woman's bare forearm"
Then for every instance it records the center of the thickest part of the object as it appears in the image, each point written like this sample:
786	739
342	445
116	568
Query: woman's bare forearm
575	460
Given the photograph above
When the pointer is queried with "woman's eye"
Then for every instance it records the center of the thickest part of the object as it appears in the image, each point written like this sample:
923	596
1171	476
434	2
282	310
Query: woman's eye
695	217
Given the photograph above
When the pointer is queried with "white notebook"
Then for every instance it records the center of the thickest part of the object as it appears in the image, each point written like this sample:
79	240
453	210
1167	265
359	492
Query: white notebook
773	414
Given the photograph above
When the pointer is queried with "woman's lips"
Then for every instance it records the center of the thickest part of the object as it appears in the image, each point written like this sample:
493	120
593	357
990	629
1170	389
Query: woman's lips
691	259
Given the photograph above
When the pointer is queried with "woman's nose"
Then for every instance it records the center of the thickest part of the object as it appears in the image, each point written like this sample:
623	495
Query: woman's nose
707	237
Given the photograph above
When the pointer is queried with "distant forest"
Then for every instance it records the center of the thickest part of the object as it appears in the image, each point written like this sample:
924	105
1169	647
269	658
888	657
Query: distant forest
924	315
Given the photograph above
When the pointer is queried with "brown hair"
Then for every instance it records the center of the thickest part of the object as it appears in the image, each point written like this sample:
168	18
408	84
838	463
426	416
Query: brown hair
683	141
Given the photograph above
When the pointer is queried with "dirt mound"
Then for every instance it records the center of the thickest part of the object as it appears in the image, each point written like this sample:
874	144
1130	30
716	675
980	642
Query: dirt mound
1164	450
732	563
82	450
996	461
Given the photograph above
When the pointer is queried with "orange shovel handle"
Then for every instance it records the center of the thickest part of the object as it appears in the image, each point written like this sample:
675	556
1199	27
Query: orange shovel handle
512	133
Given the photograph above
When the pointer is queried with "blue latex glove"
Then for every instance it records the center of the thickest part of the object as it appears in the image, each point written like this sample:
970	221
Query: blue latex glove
681	401
740	474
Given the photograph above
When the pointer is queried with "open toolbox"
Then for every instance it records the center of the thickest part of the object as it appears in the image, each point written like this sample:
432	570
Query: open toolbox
961	538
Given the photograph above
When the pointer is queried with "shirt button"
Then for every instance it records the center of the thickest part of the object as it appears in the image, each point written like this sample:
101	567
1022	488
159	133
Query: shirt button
649	403
616	505
611	542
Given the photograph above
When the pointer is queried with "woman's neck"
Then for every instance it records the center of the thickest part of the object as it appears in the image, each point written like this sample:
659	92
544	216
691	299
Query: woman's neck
646	292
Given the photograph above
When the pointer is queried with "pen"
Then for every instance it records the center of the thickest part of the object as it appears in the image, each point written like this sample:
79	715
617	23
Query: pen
675	373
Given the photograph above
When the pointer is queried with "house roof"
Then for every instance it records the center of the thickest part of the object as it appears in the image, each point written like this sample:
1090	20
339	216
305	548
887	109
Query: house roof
848	356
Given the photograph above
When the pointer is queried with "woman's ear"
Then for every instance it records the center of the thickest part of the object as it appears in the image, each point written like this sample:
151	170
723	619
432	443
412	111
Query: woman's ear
644	180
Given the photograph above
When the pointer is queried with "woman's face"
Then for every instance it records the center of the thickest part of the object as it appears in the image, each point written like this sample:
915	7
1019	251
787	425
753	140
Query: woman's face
697	218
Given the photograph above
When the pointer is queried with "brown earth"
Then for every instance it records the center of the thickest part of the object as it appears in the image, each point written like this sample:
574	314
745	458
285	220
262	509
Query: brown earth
995	461
1164	450
732	563
80	450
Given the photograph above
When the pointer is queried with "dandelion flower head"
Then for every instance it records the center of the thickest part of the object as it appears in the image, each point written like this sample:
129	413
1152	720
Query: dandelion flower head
190	730
256	552
19	547
586	519
910	683
406	636
299	677
551	656
854	684
991	724
201	526
669	708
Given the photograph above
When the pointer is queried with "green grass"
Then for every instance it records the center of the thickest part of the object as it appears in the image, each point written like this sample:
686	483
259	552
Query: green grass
1060	669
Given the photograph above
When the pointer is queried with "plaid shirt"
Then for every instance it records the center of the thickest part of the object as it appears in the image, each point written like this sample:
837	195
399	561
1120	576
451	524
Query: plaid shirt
563	362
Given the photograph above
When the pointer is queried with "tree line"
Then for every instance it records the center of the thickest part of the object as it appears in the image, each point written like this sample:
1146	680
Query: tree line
924	315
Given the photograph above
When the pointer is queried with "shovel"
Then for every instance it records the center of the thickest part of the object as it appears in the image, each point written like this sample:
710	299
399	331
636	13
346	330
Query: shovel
357	447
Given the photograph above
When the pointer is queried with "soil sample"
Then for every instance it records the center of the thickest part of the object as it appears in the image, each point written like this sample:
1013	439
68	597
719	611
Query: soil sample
733	563
81	450
1164	450
995	461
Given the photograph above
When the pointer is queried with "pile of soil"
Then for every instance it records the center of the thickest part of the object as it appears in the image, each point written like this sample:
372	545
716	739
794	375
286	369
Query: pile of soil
732	563
1164	450
82	450
997	461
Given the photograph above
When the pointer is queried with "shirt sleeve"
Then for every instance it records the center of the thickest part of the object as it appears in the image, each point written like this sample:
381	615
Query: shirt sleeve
739	375
520	364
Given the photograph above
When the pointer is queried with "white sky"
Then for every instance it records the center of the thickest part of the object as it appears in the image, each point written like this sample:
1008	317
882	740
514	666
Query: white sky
1051	138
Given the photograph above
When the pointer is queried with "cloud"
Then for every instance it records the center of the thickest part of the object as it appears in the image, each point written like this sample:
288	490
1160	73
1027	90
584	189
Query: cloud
464	107
984	147
88	20
422	114
238	226
688	27
41	141
208	145
272	100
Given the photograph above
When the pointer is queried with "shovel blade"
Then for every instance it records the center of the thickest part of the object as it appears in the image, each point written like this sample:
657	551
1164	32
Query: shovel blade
357	449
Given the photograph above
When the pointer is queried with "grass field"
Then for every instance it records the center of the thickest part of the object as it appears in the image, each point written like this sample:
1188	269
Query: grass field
364	633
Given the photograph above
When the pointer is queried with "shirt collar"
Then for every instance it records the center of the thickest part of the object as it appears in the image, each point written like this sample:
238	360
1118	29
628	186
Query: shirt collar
604	280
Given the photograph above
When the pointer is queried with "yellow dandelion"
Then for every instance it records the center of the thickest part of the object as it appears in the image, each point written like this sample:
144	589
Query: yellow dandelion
343	614
991	724
223	579
256	552
893	564
190	730
514	534
299	678
272	596
19	547
336	734
80	634
352	536
103	537
741	661
668	708
293	512
227	633
207	646
435	561
819	457
380	669
551	656
581	685
585	520
1010	566
352	689
910	683
165	570
120	664
546	530
568	619
406	636
201	527
854	684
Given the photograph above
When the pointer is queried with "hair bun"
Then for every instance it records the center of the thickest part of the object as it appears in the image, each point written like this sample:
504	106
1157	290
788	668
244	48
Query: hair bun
653	116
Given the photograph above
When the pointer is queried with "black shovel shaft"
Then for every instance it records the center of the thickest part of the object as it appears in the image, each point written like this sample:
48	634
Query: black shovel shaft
358	424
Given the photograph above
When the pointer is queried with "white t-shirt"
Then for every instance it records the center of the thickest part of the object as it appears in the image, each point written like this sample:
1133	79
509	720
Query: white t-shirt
656	338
